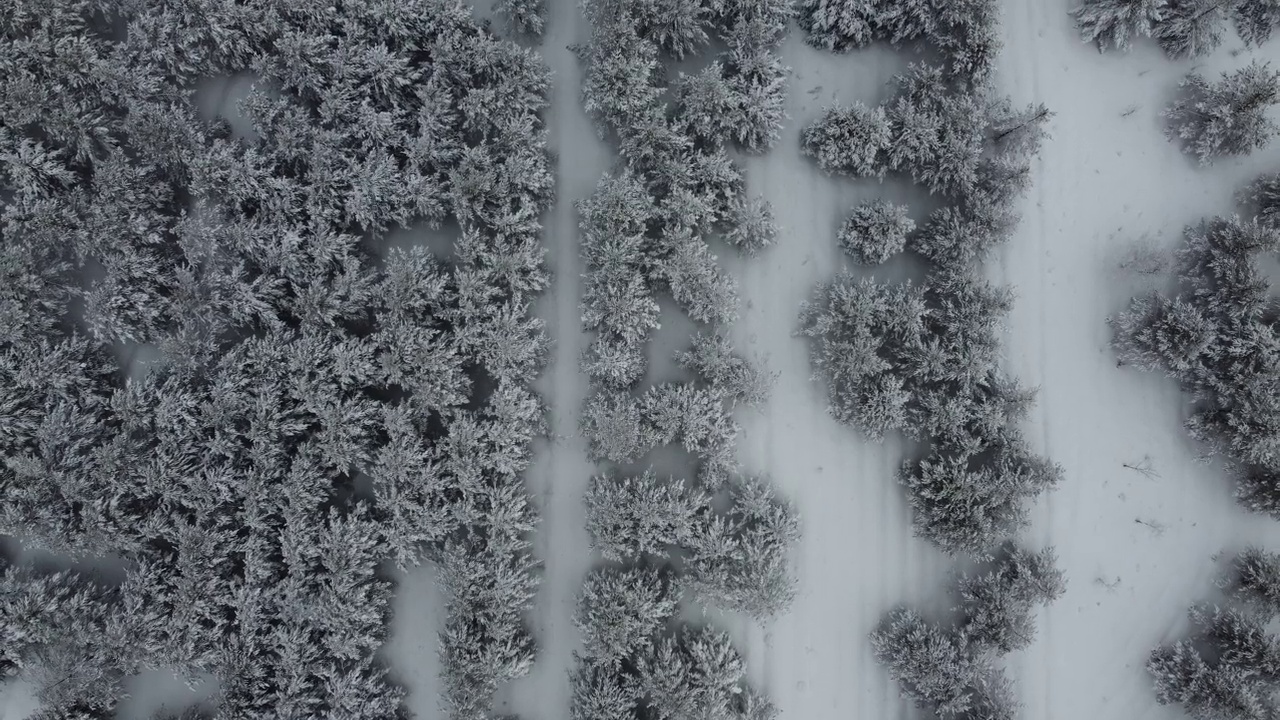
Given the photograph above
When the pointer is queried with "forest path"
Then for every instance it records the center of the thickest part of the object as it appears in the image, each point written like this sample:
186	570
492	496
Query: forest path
560	471
1105	179
857	557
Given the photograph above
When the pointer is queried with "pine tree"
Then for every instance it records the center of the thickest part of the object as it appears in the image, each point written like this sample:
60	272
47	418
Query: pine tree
1255	20
997	605
696	282
1255	578
1227	118
849	141
620	612
1191	28
632	517
838	25
712	357
934	667
876	231
751	228
1115	22
525	16
1264	193
738	561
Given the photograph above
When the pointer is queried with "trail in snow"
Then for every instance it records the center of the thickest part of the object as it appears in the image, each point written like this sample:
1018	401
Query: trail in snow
561	471
1106	178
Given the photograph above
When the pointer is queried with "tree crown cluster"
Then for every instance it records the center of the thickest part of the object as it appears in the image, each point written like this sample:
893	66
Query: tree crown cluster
316	411
1229	669
1182	28
951	670
924	359
1217	337
965	33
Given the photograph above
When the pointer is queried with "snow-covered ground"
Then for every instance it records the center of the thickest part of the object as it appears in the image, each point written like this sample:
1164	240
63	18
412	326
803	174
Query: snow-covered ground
1137	550
561	471
1103	181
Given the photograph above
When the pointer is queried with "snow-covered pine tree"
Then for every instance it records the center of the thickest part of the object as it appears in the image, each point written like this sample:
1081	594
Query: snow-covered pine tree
965	504
849	141
615	427
738	561
1228	117
712	357
750	225
1161	334
1255	578
933	666
997	604
620	612
699	287
633	517
838	25
1115	23
1191	28
758	79
707	104
1255	20
876	231
525	16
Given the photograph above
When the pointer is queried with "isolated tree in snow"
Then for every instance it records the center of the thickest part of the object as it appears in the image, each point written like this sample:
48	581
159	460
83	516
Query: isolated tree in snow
876	231
1227	118
1115	22
1191	28
1255	20
750	225
849	140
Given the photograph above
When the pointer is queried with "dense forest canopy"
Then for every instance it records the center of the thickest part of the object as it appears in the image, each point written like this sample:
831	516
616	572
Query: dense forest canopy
317	408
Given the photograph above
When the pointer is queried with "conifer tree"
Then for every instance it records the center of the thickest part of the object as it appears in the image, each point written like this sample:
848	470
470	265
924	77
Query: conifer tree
1226	118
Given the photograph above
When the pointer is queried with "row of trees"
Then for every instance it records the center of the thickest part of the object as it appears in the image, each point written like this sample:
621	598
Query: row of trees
951	669
722	539
923	359
638	661
1217	337
317	411
963	32
1182	28
1229	669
